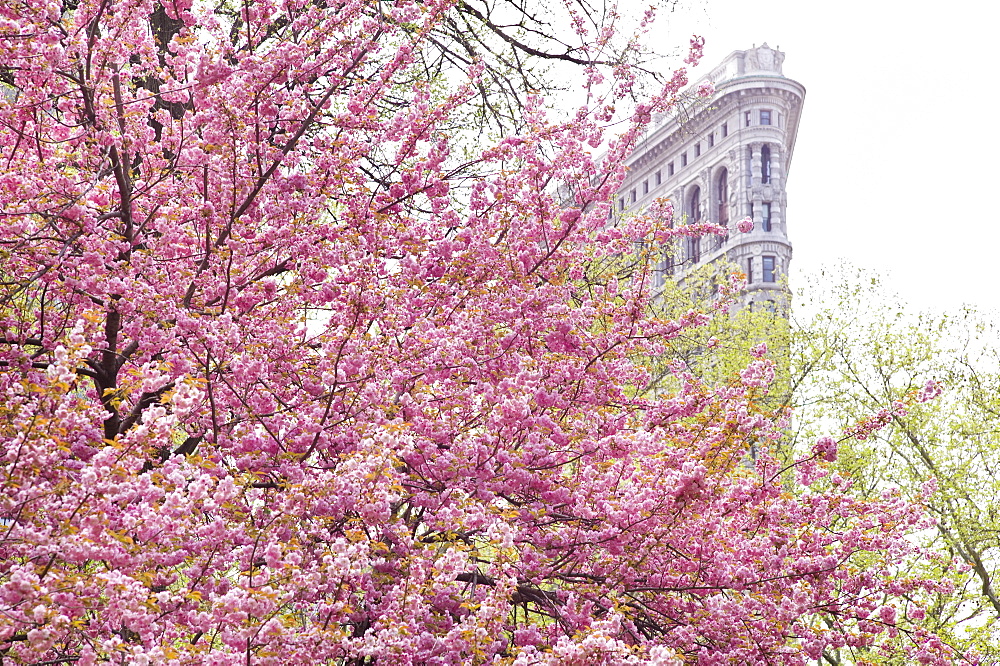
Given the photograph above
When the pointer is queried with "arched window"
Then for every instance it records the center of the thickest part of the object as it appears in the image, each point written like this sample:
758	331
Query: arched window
694	210
722	197
722	204
694	216
765	164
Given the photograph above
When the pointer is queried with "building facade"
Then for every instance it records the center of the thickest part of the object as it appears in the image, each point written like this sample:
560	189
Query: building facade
720	160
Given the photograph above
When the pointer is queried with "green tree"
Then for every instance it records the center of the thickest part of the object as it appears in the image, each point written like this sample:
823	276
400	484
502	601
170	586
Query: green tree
852	352
716	351
858	350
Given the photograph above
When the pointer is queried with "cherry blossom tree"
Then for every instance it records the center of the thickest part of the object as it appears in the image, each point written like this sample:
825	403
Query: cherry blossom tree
288	378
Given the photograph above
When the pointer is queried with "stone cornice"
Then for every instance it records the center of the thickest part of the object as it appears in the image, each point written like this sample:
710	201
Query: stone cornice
673	136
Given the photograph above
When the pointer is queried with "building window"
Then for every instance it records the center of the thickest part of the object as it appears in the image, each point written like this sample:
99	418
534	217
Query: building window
722	197
667	266
645	187
768	271
632	196
746	118
694	249
684	159
621	203
722	203
697	150
725	130
765	164
694	217
765	219
749	270
711	140
659	179
670	169
694	210
765	117
770	306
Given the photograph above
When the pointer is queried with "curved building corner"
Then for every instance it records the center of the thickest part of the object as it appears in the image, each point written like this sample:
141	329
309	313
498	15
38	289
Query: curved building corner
721	159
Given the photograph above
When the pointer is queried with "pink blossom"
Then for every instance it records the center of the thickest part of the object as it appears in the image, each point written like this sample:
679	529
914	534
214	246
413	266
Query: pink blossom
826	448
930	390
294	372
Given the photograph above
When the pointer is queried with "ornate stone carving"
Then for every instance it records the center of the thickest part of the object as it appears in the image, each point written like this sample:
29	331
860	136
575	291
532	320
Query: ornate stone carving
764	58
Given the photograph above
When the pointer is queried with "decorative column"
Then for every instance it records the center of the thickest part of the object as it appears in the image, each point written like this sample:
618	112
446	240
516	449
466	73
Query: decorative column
756	175
777	172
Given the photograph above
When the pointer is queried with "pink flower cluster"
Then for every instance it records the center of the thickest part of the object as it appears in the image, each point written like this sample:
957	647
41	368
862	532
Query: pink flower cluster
296	372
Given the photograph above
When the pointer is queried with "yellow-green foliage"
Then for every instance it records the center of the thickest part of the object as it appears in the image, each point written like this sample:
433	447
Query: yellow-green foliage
857	349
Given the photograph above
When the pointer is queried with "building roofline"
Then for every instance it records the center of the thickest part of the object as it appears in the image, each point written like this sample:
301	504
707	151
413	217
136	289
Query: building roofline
669	126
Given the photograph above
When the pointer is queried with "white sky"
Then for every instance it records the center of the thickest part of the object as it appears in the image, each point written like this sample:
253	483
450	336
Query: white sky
896	162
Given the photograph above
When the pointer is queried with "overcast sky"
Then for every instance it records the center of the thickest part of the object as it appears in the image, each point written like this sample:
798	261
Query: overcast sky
896	162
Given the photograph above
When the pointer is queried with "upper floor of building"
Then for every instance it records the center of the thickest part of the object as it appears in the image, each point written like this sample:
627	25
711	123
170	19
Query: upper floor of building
748	127
721	158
